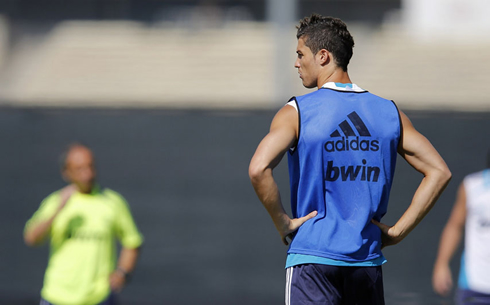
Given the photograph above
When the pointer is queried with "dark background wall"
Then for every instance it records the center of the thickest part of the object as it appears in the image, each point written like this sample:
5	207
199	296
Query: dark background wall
151	10
184	173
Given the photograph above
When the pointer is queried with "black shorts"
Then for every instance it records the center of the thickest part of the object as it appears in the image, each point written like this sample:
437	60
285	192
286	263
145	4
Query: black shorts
469	297
110	300
334	285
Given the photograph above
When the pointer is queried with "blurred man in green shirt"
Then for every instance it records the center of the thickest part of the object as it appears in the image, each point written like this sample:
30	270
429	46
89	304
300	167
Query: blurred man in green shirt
83	221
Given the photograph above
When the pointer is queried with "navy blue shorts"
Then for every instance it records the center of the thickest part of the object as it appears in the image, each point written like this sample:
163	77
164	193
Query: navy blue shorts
111	300
469	297
334	285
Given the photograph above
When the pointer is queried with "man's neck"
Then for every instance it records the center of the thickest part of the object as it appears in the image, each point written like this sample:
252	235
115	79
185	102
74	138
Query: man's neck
337	76
86	190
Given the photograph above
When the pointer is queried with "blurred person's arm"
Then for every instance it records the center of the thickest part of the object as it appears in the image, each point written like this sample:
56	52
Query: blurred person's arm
424	158
125	266
36	233
442	281
281	137
131	240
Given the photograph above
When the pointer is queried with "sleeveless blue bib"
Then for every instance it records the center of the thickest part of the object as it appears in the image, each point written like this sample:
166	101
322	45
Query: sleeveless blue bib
342	167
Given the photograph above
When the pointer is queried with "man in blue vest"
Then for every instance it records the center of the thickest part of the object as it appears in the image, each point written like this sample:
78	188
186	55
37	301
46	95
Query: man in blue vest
342	143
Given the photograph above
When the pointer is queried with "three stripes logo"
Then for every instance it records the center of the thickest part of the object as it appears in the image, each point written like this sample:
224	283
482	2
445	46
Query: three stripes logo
345	139
352	144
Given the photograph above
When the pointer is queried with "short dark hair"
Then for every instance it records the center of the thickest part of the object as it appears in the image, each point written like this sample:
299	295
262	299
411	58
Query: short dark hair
327	33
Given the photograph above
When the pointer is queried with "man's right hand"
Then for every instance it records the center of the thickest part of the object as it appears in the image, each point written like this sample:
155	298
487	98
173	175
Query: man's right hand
442	281
38	232
292	225
65	194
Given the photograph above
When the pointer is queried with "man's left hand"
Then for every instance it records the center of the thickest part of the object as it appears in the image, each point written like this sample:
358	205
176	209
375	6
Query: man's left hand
117	281
389	235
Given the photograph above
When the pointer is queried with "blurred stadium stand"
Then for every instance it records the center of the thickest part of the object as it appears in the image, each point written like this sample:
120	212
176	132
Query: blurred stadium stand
217	54
149	10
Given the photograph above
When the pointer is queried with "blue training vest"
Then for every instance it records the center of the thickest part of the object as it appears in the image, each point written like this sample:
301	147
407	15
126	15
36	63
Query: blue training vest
342	167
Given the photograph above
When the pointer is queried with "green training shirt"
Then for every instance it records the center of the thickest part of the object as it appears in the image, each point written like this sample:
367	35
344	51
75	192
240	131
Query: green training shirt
83	249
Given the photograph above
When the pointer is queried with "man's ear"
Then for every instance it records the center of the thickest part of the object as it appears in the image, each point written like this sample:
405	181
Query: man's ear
324	57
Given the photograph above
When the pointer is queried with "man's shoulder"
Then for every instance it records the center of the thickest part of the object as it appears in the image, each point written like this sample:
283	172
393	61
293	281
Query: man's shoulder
477	180
380	98
112	194
53	196
307	95
50	202
476	175
308	98
323	94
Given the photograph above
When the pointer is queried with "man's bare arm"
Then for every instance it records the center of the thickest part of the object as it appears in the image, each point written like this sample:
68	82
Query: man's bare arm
422	156
126	264
282	136
442	281
35	235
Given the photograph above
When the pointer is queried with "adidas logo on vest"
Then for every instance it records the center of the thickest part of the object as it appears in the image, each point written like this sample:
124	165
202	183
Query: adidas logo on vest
352	172
344	143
